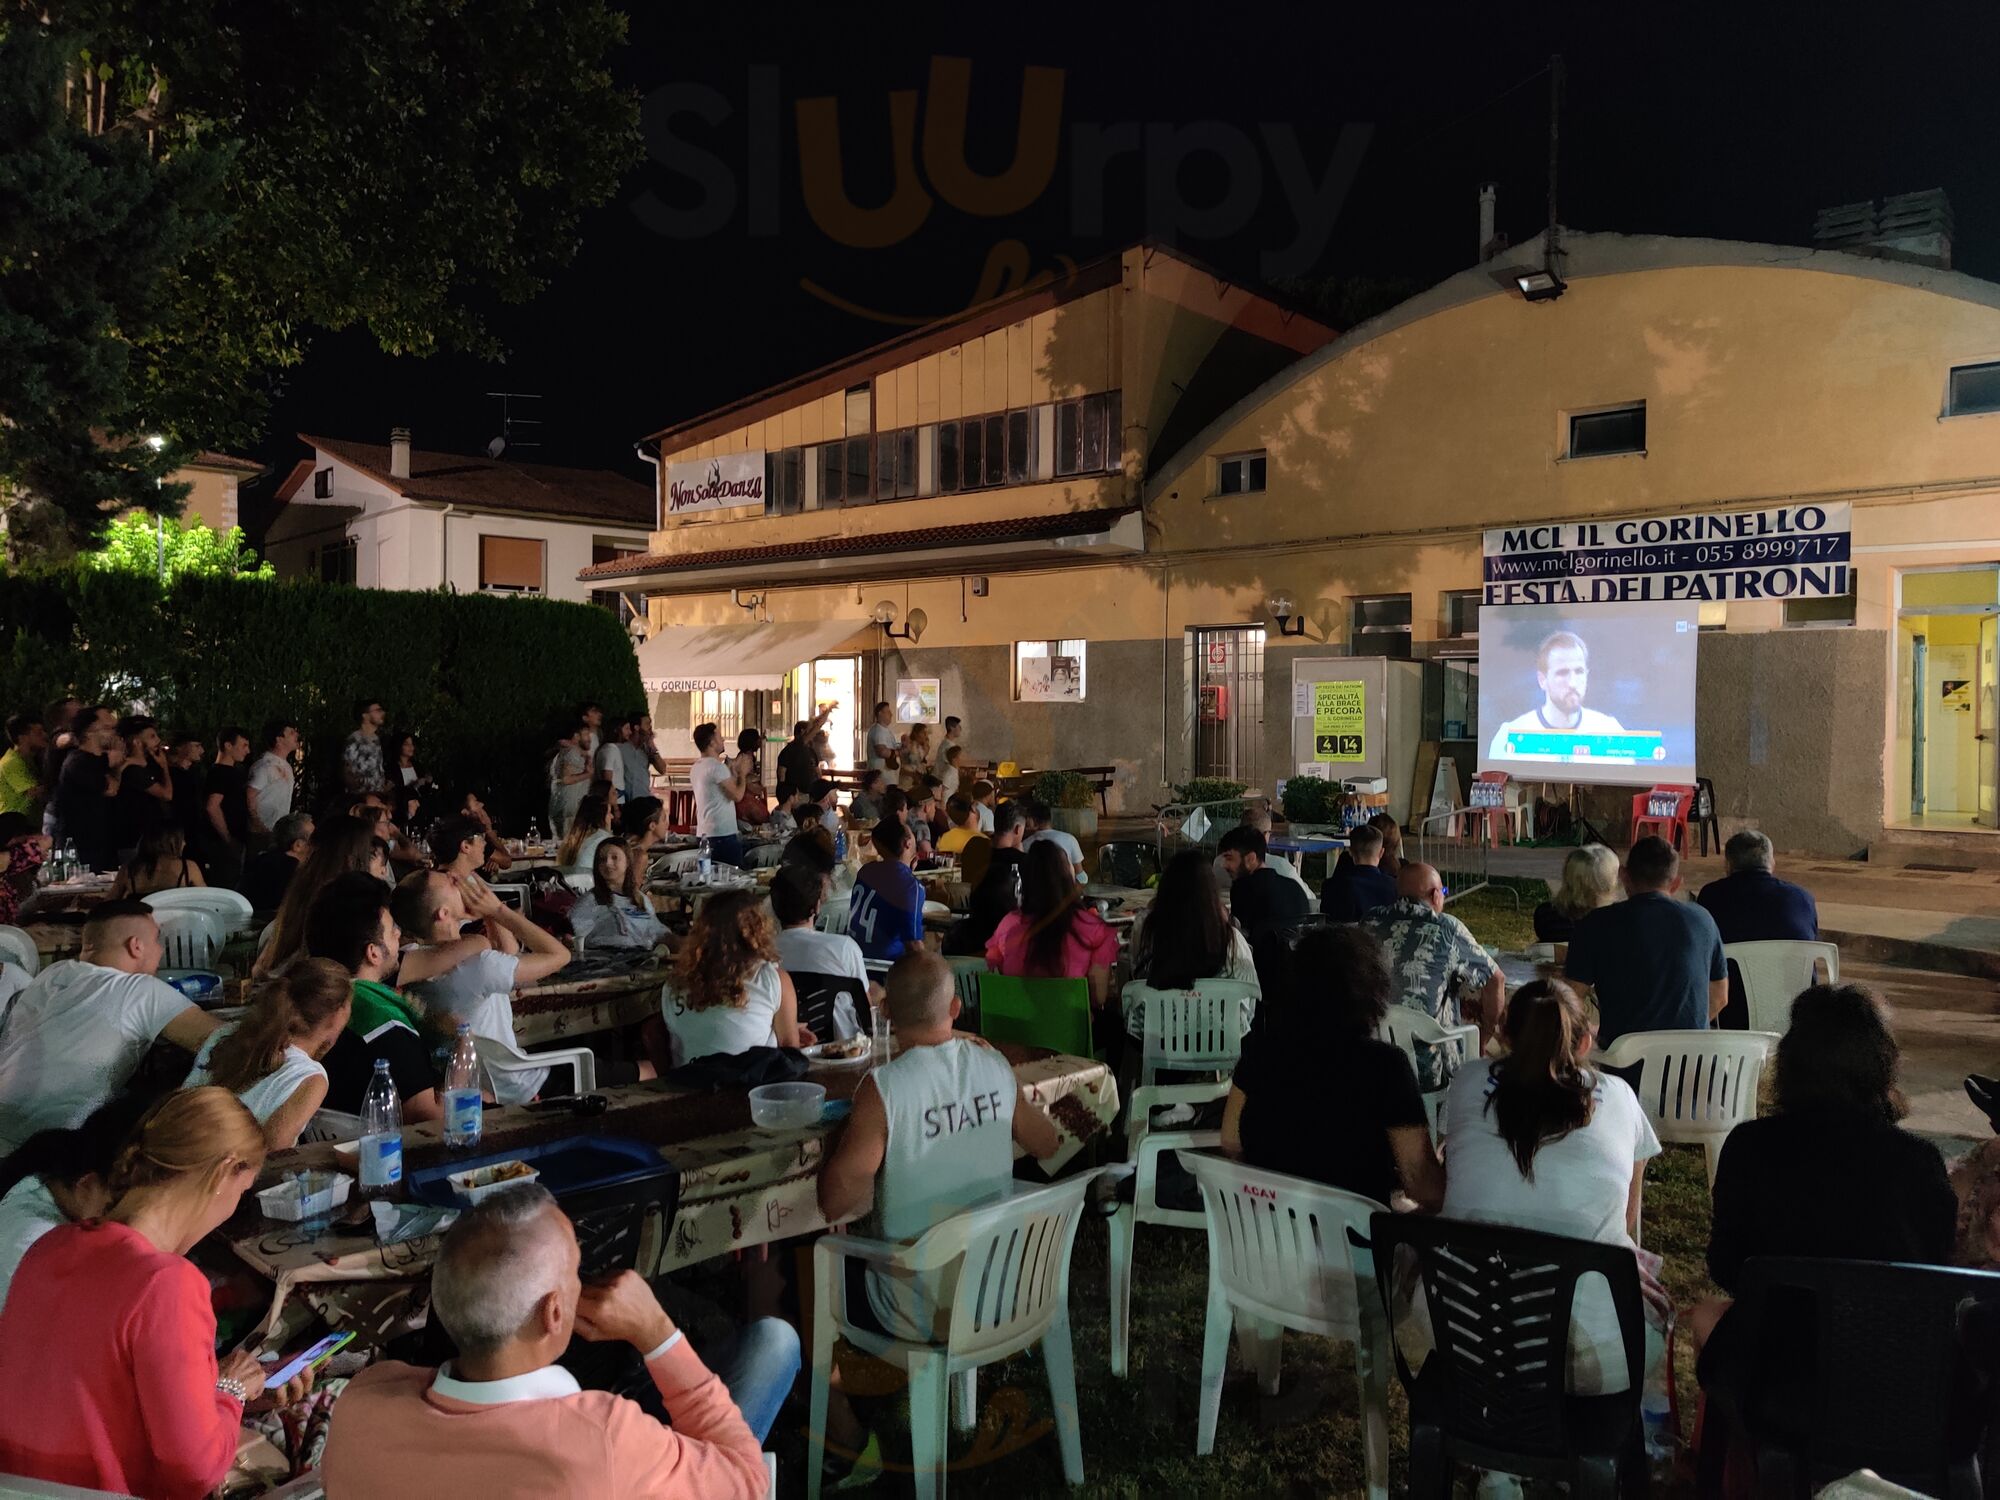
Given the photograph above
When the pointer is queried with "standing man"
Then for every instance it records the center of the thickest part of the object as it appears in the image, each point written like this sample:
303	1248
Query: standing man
361	768
184	753
145	785
884	749
225	823
88	785
271	780
609	761
715	797
642	756
954	738
591	715
1651	962
21	787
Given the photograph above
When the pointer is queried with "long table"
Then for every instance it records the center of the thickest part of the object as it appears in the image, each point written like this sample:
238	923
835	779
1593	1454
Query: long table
740	1187
558	1009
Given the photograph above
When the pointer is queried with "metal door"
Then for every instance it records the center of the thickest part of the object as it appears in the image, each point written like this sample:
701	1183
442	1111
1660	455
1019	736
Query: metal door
1225	675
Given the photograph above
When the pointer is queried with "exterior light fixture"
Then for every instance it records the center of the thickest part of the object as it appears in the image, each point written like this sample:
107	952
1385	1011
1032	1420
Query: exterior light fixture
885	616
1289	623
1540	286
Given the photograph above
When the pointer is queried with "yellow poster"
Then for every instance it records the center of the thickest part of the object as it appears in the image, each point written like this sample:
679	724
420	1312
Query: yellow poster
1339	724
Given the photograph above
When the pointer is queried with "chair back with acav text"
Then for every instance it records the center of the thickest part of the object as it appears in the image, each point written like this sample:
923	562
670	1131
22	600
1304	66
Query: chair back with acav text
1774	973
1052	1013
230	908
1494	1391
1196	1030
1287	1253
1695	1086
189	939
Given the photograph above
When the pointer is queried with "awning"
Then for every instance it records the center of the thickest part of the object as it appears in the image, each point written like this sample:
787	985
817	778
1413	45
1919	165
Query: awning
755	658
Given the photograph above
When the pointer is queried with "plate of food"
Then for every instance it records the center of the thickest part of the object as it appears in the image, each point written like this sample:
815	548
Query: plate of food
852	1053
483	1182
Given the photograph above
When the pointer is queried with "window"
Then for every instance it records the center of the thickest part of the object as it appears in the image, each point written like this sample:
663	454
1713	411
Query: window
1831	609
947	457
832	472
336	561
1593	434
511	564
1020	447
1461	613
1242	474
896	464
1712	614
784	482
1049	671
996	449
1974	388
973	443
1381	626
857	470
323	484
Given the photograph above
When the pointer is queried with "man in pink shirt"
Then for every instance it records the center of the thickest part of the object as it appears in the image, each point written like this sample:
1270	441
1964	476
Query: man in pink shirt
504	1419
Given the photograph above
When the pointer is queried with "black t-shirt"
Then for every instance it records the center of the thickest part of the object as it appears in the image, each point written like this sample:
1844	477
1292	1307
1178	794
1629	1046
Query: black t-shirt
1551	926
1326	1115
232	782
1265	900
995	896
266	878
83	811
1354	890
350	1066
136	806
797	765
190	804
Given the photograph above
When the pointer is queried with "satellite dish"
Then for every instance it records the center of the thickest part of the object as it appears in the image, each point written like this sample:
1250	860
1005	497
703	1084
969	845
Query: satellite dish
497	447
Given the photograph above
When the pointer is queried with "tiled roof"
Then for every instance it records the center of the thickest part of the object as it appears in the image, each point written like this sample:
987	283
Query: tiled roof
481	483
209	458
1012	529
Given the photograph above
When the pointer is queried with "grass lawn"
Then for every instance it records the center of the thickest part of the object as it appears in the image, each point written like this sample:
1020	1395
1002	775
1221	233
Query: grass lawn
1138	1433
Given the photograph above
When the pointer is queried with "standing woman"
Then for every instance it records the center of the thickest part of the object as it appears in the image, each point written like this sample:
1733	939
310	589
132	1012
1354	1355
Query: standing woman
748	760
569	778
915	759
108	1375
270	1059
407	783
728	993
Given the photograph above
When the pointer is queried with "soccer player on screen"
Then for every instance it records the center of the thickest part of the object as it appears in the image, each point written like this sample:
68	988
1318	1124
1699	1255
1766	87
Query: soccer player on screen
1562	671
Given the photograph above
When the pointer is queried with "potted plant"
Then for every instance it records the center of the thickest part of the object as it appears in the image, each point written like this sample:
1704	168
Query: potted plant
1311	802
1072	802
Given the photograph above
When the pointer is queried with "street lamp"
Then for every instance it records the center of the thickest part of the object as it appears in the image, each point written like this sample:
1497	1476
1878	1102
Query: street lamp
158	444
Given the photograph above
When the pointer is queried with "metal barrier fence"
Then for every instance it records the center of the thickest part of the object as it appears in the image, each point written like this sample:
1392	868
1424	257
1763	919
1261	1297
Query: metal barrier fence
1461	860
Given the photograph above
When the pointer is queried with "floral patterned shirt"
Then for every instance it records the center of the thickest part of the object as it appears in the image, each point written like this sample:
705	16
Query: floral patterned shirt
1435	961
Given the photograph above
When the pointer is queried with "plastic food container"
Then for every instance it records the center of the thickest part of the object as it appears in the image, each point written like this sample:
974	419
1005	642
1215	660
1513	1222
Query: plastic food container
786	1106
306	1196
476	1184
196	984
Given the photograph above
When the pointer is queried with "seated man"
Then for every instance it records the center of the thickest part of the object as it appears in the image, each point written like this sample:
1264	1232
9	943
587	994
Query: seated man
1438	966
983	793
79	1030
1039	819
886	912
933	1132
1752	905
1358	886
866	806
1652	962
458	848
350	923
821	805
1259	818
503	1418
1261	898
268	875
963	817
796	895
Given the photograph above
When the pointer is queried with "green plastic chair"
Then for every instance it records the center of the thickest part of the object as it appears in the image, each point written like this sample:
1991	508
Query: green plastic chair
967	970
1052	1013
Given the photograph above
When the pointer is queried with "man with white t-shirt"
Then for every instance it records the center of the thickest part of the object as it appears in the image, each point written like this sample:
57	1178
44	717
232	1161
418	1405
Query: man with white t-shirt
271	780
608	762
77	1034
884	749
1039	817
796	894
716	794
932	1134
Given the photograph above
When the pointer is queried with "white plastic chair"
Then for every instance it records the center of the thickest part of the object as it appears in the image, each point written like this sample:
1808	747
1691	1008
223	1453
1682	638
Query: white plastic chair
331	1125
190	938
1405	1027
1003	1270
1144	1147
17	948
497	1057
1775	973
833	915
230	908
1194	1030
1695	1086
1280	1253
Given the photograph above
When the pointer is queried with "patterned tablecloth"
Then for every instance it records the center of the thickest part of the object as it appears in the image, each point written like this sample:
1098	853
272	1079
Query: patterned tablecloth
740	1186
561	1009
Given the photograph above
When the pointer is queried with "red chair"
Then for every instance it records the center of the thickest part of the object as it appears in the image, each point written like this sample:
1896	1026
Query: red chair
1488	816
1672	827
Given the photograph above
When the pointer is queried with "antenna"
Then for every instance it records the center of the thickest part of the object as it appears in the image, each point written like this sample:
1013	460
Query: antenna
1549	250
511	435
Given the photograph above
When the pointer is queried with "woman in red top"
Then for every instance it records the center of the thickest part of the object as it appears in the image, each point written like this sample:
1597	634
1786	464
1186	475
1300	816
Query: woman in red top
108	1376
1054	935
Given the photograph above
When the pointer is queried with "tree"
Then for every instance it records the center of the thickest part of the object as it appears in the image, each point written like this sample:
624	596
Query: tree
398	165
136	543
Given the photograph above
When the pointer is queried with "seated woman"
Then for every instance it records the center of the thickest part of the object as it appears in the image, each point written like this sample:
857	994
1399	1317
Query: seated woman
617	913
1187	934
728	993
22	850
159	864
339	844
885	914
1539	1139
1830	1174
590	827
1315	1094
58	1177
1589	880
1054	935
270	1058
642	823
108	1374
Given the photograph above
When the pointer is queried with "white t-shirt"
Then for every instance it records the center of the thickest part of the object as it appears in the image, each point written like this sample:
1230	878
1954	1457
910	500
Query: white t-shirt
806	950
26	1214
72	1039
883	747
725	1028
480	992
1580	1188
985	818
270	788
714	813
268	1094
609	762
947	783
1588	721
1063	841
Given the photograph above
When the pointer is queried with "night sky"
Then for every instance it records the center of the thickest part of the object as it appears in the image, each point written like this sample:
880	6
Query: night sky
1696	122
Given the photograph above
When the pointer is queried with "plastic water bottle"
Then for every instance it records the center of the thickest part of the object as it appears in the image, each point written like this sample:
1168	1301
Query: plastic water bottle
1656	1421
534	833
381	1134
464	1110
840	846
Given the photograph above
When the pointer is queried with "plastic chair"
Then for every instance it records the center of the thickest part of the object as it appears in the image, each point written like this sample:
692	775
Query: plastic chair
1003	1271
230	908
833	915
1405	1027
966	973
1695	1086
19	949
1052	1013
1673	827
1144	1147
818	994
497	1057
1283	1251
580	881
190	939
1850	1364
1196	1030
331	1125
1490	1393
1127	862
1483	819
1774	973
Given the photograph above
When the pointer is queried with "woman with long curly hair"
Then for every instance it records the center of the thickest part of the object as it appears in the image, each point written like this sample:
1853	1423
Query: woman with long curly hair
727	993
339	844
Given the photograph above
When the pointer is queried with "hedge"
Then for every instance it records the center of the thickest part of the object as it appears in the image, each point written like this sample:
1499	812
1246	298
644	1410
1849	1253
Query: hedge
481	680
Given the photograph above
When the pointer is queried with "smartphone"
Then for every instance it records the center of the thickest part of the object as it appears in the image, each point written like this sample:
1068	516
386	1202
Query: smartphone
309	1359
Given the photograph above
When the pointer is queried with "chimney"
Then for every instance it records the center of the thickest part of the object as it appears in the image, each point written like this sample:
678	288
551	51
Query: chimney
399	453
1490	243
